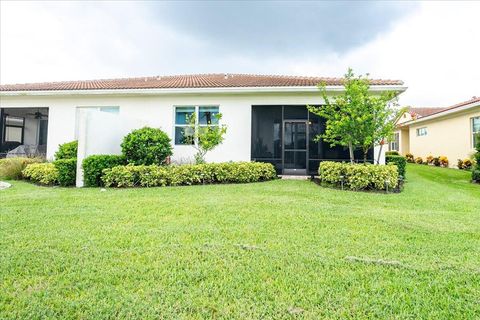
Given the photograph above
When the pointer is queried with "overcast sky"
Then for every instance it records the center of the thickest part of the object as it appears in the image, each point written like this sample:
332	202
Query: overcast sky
433	46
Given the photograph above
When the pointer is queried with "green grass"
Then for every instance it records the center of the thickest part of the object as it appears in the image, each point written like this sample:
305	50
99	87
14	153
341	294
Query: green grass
280	249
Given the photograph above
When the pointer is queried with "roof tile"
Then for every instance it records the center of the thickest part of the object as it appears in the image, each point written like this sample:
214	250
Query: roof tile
426	112
187	81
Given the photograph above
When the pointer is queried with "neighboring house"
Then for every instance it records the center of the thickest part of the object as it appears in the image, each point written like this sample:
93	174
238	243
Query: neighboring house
266	116
437	132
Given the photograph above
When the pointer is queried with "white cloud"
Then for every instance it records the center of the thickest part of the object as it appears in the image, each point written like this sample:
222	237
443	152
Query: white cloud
73	40
435	49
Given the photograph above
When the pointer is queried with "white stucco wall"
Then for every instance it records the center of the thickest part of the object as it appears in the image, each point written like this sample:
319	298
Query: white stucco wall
101	133
158	111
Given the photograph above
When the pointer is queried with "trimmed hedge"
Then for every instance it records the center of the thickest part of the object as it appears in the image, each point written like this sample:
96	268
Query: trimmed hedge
67	150
67	171
392	153
400	162
156	176
358	176
11	168
42	173
93	167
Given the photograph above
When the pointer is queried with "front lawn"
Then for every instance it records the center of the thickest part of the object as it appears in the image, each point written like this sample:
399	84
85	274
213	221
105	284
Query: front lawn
276	249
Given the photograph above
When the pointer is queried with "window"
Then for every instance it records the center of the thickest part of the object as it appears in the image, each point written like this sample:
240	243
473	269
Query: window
421	131
183	134
108	109
114	110
204	115
14	127
475	130
395	142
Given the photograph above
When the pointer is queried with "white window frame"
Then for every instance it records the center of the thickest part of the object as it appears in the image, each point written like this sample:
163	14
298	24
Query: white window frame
473	133
395	143
424	130
6	126
197	118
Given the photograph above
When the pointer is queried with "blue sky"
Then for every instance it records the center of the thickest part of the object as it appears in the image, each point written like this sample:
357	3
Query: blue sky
433	47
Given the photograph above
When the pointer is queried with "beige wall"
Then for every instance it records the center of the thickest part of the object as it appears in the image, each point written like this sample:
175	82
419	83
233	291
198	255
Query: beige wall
404	141
406	116
449	136
403	134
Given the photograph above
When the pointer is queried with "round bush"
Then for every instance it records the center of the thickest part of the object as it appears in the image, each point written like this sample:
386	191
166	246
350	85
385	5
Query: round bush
146	146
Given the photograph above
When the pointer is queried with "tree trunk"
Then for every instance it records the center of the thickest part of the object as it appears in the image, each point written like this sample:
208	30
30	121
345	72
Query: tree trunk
350	149
379	153
365	153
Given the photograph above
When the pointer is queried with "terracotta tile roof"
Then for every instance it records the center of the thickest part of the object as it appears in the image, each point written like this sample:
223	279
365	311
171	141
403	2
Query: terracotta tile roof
219	80
423	112
431	111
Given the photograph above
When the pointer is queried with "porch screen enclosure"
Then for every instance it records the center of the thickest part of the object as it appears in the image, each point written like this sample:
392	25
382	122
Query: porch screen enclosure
23	132
284	136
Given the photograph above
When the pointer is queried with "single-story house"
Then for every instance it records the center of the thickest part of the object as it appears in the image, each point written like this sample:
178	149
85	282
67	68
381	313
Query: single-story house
266	116
449	132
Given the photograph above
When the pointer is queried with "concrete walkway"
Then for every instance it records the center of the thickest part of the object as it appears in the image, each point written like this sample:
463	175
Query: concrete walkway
291	177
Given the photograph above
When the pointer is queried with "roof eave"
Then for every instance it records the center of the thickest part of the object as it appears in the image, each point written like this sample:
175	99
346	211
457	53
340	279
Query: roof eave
441	114
217	90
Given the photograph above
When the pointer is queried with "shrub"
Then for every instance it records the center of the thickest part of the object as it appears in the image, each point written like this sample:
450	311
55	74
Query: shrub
429	160
443	161
121	176
67	171
153	176
418	160
436	161
410	158
391	153
359	176
67	150
476	176
42	173
156	176
465	164
476	169
93	167
401	163
146	146
11	168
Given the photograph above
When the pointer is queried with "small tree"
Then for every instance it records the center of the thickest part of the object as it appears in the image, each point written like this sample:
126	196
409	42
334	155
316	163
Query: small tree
205	138
356	118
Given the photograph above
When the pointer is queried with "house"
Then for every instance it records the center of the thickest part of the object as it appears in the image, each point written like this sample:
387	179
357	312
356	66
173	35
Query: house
446	132
266	116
